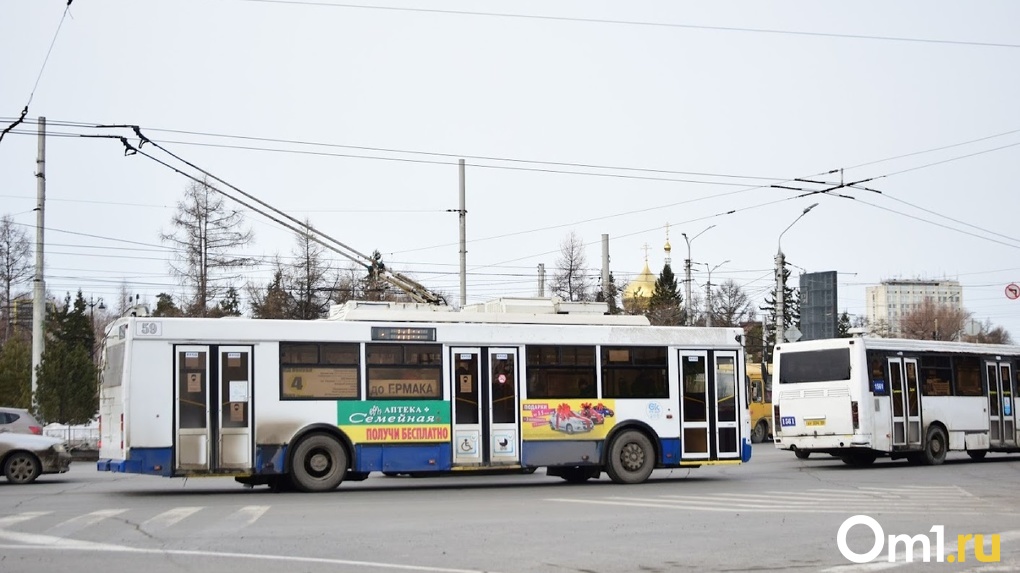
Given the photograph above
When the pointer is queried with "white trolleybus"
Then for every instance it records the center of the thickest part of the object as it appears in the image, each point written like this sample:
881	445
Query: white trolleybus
405	388
861	398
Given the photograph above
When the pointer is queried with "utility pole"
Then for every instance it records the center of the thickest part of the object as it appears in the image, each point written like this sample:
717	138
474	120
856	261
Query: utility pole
605	267
687	274
541	280
463	237
781	280
38	283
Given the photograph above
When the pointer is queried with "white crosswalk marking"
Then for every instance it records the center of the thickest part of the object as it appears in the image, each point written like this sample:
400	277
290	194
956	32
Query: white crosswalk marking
16	519
82	521
239	519
870	500
168	518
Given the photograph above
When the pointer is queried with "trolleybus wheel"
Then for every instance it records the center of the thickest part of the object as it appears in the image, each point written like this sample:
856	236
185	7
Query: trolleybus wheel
22	467
631	458
935	446
977	454
760	431
319	463
801	454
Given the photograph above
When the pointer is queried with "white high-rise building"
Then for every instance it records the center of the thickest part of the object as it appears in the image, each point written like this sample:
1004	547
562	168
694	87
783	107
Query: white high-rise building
889	301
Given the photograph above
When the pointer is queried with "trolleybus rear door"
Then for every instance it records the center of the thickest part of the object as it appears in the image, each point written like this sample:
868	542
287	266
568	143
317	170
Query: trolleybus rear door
694	392
213	394
727	429
1001	417
905	394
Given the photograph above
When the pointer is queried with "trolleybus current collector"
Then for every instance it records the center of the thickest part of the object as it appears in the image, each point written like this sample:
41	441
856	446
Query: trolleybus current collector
861	398
408	388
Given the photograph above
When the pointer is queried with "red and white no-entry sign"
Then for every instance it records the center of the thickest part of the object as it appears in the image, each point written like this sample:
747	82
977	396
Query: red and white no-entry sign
1012	291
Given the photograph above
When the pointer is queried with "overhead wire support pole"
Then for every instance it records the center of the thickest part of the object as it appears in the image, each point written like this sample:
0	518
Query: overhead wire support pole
781	279
39	282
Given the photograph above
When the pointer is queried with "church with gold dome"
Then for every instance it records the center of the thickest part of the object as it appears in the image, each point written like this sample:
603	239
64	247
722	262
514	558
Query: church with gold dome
638	292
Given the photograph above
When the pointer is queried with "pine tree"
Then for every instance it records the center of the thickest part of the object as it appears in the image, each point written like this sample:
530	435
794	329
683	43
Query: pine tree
16	373
665	307
165	306
67	390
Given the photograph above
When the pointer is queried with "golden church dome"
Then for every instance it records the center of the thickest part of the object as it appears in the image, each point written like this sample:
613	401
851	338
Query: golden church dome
640	287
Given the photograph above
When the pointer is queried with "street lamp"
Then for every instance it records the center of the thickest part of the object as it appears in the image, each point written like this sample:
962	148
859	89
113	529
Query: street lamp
708	293
781	279
687	271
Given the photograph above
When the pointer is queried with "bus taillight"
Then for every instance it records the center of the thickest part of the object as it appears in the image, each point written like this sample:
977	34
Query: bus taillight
122	430
776	417
854	415
99	442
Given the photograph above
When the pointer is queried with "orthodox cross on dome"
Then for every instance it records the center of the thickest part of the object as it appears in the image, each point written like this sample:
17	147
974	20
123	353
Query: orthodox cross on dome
667	247
646	252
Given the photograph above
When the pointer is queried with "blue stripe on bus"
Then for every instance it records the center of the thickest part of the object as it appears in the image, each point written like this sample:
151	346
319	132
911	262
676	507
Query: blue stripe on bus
152	461
403	458
745	452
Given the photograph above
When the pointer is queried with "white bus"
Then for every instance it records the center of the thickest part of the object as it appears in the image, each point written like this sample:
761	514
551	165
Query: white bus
861	398
417	389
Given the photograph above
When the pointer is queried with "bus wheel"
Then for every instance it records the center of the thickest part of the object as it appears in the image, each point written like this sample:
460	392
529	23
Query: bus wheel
935	446
631	458
319	464
801	454
977	454
761	429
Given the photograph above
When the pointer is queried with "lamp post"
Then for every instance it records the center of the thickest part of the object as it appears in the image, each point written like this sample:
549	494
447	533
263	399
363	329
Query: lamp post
687	272
781	279
708	293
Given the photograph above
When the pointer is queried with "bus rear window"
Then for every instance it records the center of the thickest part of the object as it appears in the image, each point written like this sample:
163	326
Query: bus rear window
814	366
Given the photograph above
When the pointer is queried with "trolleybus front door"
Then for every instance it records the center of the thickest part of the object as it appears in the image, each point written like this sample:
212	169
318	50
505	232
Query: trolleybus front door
485	406
213	424
1001	417
905	394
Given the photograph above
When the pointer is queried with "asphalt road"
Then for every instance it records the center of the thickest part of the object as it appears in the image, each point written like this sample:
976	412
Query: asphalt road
777	513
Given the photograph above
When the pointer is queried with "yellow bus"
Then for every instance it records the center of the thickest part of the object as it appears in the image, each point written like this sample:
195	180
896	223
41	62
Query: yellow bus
759	392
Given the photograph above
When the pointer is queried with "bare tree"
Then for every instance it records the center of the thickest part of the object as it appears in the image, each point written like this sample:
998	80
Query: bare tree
15	265
205	239
730	305
987	334
570	281
311	280
933	321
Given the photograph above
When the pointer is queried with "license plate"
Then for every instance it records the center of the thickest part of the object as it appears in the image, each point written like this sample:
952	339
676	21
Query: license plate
814	422
787	421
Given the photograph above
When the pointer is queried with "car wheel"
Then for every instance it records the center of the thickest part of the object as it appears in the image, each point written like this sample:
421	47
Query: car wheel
569	429
319	464
631	458
935	446
22	467
761	429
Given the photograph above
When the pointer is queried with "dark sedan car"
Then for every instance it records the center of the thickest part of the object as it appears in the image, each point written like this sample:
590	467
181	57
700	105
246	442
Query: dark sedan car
24	457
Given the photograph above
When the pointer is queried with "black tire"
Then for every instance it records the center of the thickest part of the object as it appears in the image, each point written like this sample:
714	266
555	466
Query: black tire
631	458
569	428
801	454
318	464
22	467
760	432
936	444
977	454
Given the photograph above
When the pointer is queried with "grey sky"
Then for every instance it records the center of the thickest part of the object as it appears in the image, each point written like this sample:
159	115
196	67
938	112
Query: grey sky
716	100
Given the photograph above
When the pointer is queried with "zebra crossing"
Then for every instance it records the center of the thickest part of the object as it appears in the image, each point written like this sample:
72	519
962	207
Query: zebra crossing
190	521
869	500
